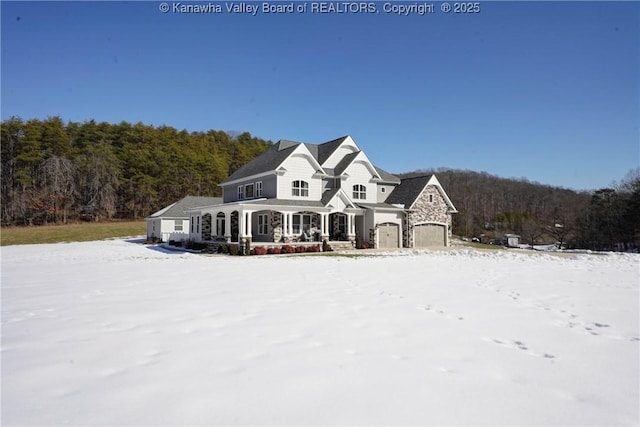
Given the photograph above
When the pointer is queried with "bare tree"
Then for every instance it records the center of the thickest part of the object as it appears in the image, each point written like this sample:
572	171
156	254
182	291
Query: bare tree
56	182
531	231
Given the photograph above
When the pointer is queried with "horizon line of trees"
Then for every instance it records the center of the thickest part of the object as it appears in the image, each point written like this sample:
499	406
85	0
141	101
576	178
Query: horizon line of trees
55	172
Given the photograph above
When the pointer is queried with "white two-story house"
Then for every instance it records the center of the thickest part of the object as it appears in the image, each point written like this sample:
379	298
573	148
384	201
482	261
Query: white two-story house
297	192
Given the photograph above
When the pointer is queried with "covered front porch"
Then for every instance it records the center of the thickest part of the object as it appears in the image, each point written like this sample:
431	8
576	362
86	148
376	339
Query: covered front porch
262	223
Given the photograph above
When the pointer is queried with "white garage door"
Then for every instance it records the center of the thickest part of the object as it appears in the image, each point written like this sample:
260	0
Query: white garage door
388	236
429	235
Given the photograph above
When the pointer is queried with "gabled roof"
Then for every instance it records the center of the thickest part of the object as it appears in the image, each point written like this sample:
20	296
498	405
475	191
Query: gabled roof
179	209
275	155
344	163
410	189
330	195
326	149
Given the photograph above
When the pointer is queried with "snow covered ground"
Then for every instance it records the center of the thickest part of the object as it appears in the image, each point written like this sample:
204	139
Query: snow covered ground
118	333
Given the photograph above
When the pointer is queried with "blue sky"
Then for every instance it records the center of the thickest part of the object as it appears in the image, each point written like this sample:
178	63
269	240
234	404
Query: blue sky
549	91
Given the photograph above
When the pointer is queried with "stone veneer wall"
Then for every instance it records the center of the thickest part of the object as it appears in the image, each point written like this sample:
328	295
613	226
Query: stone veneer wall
276	226
206	227
425	211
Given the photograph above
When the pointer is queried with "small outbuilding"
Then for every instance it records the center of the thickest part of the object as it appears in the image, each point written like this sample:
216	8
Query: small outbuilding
511	240
172	222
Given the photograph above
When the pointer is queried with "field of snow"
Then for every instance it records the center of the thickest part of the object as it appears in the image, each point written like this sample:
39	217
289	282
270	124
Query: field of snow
118	333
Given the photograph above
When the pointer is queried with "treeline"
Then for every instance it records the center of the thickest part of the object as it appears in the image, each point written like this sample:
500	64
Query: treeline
489	206
55	171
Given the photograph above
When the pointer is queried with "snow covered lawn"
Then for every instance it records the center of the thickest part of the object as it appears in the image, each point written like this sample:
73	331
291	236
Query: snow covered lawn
117	333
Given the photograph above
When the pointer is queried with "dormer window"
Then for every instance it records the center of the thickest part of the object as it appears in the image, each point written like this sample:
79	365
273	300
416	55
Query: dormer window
300	189
248	191
240	192
359	192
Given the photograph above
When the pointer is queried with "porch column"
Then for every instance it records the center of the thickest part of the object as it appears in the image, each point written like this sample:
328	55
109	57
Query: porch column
248	224
240	225
324	221
227	227
284	224
350	225
289	224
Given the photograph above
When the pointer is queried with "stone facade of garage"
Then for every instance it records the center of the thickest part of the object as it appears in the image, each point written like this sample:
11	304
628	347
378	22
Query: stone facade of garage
429	207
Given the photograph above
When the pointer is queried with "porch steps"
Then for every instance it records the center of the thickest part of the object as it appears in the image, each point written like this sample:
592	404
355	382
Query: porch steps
340	245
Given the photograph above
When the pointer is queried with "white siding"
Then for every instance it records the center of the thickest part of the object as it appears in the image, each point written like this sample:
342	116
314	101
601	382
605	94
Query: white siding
383	192
153	228
299	167
165	229
382	217
360	174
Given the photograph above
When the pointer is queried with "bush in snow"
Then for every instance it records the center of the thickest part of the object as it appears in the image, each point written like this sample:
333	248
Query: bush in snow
259	250
287	249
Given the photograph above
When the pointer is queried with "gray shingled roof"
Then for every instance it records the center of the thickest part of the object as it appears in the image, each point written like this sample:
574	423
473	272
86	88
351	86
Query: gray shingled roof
344	163
386	176
277	153
265	162
327	148
408	191
328	195
179	209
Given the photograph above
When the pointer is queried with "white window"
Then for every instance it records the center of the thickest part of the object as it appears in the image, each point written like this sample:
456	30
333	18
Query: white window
301	223
300	189
259	189
193	220
359	192
263	224
198	224
248	191
240	192
177	226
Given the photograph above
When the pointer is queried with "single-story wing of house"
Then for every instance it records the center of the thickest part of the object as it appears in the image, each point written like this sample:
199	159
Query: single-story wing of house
172	222
300	192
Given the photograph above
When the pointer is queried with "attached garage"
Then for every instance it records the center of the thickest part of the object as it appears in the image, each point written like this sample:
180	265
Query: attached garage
426	235
389	236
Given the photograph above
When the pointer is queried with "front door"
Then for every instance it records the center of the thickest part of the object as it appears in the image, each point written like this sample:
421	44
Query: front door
338	228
